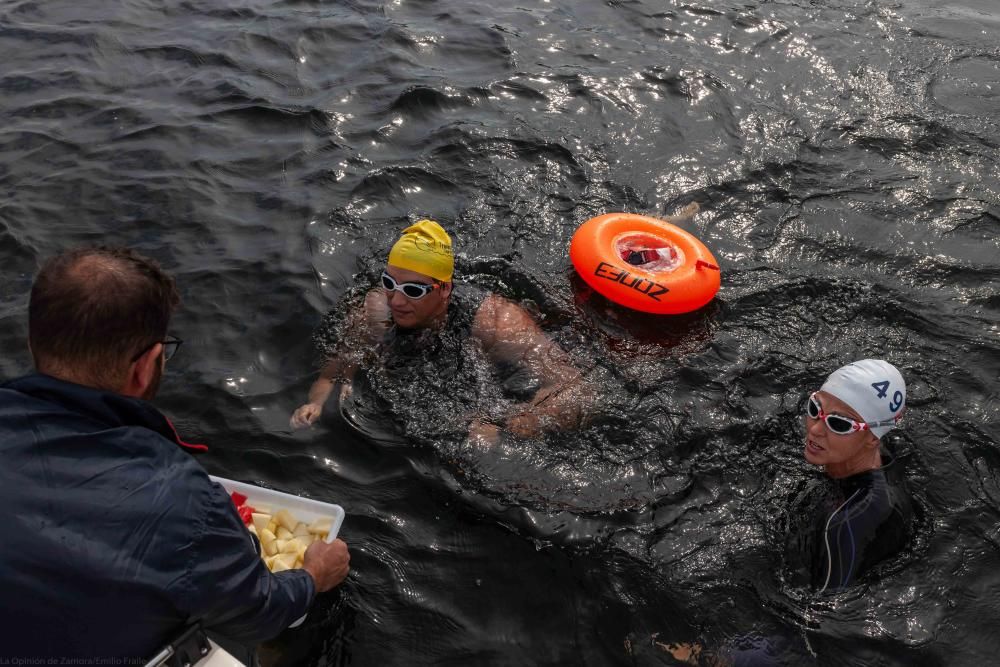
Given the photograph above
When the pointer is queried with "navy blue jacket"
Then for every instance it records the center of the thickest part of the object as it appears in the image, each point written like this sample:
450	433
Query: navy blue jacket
112	537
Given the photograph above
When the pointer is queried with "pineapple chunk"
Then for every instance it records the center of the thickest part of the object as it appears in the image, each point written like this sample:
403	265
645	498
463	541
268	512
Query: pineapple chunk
292	546
280	566
287	559
267	542
261	520
320	526
285	518
283	533
272	525
301	530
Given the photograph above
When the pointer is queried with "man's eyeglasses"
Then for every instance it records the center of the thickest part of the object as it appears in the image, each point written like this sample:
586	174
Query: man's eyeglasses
409	290
839	424
170	347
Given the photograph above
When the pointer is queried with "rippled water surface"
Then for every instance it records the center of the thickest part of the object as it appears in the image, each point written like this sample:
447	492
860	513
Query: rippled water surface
844	155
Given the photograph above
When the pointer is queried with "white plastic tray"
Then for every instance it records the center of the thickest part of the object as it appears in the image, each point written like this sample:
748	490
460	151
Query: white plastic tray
302	509
218	657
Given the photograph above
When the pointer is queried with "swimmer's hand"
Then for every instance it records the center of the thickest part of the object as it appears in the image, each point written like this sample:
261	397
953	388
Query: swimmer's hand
483	435
525	425
686	653
692	654
306	415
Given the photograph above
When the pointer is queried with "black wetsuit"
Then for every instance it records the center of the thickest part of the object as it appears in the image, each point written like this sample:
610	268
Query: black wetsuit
427	383
837	530
840	528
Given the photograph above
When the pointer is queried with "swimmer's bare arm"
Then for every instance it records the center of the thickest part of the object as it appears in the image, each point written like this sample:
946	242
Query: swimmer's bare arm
365	327
509	334
310	411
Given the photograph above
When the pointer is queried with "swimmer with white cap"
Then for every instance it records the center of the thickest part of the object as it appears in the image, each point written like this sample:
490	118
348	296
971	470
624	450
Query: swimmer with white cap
844	525
845	420
864	515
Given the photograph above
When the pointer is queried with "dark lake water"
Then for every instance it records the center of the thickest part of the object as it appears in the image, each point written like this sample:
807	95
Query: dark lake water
845	158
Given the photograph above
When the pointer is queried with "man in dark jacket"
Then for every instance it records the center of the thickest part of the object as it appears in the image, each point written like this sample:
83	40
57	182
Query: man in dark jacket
114	538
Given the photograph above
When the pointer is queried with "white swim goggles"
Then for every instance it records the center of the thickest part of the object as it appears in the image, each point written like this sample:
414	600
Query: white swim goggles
838	423
409	290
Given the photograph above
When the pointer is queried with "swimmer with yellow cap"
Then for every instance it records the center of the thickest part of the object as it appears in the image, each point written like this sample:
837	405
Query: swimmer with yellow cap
417	293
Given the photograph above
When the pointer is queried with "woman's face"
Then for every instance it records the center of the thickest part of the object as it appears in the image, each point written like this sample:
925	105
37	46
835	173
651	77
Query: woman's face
824	447
416	313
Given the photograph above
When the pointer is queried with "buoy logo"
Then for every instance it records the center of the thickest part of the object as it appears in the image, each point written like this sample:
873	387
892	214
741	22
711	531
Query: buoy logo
642	285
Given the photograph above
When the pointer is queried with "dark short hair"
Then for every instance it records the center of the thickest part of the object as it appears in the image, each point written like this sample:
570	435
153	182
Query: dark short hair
93	309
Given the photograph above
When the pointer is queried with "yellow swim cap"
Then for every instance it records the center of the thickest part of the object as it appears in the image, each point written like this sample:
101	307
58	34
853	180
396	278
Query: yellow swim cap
425	248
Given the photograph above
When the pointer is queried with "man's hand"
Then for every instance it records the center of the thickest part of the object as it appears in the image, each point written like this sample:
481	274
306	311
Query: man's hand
306	415
327	563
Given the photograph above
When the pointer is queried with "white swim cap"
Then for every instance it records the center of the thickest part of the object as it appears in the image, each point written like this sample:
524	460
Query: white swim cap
874	389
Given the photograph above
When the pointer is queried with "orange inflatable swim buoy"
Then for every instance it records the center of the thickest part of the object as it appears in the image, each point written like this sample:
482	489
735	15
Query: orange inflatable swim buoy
644	263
